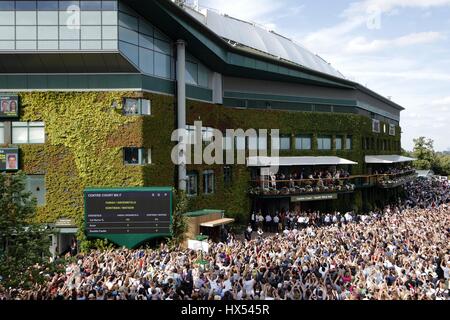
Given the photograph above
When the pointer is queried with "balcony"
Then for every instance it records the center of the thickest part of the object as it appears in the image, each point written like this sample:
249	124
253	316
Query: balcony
387	181
271	188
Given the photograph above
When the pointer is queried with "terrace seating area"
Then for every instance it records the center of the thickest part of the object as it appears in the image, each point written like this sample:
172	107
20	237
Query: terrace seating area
295	184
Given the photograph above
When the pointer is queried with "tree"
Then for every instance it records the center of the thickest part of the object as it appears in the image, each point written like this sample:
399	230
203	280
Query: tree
179	221
424	152
441	164
23	244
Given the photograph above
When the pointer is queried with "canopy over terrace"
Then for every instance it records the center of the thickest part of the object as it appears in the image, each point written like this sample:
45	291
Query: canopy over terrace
297	161
387	159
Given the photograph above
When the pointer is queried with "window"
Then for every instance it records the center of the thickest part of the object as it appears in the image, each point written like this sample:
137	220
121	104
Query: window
253	143
35	184
137	107
227	176
28	132
324	143
2	133
240	143
392	129
262	142
375	126
208	182
207	134
338	143
227	143
137	156
285	143
303	143
191	73
348	143
192	184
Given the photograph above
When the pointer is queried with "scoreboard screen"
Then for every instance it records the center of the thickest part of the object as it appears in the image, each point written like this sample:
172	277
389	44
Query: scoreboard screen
128	211
9	159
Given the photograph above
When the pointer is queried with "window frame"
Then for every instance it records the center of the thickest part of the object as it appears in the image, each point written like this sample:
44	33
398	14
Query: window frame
348	146
227	176
281	145
341	139
143	154
208	176
20	124
139	107
322	138
301	139
188	176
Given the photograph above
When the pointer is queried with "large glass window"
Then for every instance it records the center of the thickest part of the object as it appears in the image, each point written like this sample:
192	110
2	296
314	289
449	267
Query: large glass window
29	25
26	18
191	72
35	184
192	184
28	132
7	5
47	5
144	45
208	182
137	156
7	18
324	143
303	143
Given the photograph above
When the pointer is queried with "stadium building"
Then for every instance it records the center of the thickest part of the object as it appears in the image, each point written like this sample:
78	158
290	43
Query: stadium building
91	92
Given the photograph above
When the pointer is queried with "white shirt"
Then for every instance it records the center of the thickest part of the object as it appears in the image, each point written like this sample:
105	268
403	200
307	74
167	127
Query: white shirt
276	219
446	272
268	218
248	286
227	285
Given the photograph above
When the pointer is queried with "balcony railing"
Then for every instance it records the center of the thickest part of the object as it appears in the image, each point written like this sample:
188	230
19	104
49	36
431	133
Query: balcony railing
397	179
269	187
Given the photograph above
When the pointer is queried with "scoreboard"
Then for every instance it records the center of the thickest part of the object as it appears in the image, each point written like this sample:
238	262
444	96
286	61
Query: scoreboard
113	213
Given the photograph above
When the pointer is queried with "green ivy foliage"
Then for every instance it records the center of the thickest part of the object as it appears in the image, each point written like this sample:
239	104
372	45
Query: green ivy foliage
85	138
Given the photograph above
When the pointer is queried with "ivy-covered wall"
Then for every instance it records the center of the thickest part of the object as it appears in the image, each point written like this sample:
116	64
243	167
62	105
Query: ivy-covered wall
84	141
85	138
234	199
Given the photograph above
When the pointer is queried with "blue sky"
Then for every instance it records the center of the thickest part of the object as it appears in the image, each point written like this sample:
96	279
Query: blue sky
398	48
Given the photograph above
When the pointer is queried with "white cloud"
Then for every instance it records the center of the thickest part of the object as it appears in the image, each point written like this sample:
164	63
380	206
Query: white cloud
260	11
366	13
362	45
386	6
442	101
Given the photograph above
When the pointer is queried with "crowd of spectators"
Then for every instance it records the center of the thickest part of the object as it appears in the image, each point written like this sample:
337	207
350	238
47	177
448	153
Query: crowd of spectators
400	252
